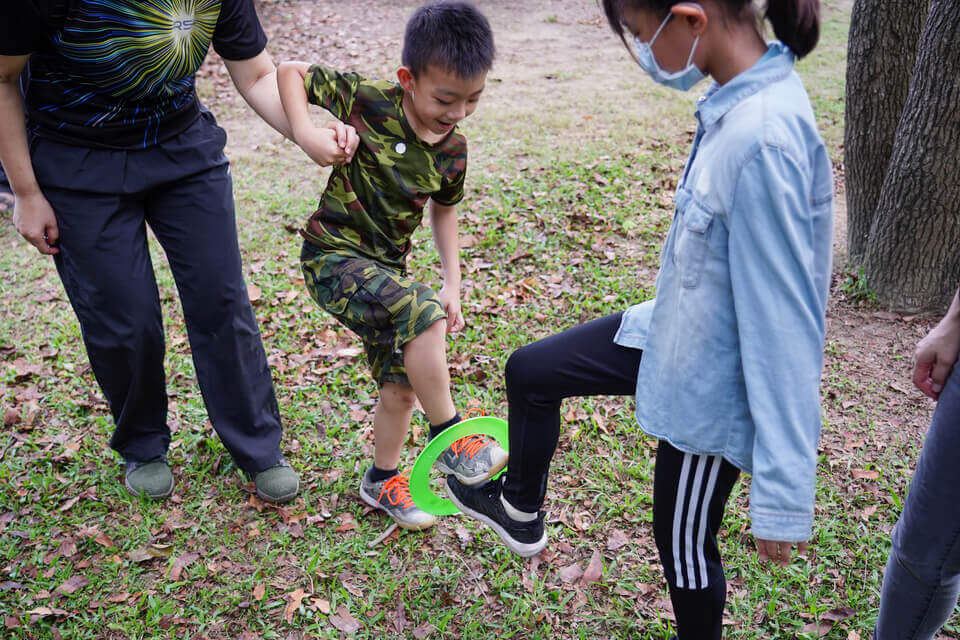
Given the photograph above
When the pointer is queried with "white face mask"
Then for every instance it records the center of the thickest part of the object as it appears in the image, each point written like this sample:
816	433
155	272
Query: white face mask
681	80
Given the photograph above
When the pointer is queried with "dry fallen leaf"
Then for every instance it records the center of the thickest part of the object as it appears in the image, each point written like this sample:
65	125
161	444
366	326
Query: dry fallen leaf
322	605
150	552
120	596
72	584
104	541
294	599
865	474
840	613
594	569
571	573
343	621
821	628
617	539
423	631
180	563
254	292
258	592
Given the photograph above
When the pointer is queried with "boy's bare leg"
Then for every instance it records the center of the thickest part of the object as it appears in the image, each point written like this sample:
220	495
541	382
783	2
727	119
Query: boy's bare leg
425	360
391	421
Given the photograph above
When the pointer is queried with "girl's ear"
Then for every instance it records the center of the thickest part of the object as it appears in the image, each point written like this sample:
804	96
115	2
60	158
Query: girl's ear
405	77
693	14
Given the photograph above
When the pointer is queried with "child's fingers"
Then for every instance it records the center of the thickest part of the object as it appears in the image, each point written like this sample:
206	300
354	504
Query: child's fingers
353	141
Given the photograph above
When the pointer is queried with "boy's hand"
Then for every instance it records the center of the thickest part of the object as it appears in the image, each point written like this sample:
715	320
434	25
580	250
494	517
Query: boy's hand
332	144
776	551
450	299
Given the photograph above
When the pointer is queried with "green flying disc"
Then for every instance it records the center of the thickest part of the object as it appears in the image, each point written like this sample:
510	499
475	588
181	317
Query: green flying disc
420	490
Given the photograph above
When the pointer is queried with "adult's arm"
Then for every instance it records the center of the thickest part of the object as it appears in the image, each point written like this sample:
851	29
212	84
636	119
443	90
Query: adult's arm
937	353
32	214
256	80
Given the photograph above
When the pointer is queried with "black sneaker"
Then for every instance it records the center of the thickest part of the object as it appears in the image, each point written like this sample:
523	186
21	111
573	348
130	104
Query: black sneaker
483	503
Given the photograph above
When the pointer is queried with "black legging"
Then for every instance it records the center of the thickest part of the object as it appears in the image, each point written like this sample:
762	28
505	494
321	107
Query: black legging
690	491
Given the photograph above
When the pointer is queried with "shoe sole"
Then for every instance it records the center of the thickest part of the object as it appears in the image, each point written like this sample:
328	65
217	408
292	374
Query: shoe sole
409	526
157	496
277	500
522	549
474	480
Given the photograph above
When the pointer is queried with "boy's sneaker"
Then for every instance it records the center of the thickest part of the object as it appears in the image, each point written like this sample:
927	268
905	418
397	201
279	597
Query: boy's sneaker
151	478
483	503
393	496
473	459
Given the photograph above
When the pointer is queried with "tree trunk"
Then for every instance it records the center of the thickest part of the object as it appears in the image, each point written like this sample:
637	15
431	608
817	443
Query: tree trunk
882	49
913	252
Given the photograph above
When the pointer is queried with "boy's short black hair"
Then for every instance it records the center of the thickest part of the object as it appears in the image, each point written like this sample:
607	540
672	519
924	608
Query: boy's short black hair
454	36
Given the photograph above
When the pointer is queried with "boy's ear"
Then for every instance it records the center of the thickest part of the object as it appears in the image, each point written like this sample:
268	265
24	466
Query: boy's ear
405	76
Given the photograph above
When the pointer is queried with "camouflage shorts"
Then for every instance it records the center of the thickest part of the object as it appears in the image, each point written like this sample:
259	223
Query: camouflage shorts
378	303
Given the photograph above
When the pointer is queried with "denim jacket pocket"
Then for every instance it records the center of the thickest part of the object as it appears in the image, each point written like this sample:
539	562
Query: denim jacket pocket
691	248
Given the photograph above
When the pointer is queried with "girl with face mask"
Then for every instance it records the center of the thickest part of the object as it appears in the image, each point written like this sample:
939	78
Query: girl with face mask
725	362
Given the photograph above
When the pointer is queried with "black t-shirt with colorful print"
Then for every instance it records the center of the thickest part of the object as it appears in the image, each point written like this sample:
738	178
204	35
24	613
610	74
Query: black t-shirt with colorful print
371	206
119	73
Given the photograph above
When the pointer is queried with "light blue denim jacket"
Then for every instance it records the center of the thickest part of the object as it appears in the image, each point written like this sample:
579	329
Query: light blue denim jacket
733	342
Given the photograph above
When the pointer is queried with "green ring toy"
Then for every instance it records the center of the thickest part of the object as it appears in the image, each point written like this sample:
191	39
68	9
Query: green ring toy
420	490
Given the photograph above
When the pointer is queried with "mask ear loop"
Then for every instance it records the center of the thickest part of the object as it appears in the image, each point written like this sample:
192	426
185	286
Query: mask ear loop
692	51
659	29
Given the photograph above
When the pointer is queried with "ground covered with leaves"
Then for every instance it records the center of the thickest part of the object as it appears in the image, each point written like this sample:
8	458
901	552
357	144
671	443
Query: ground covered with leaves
573	161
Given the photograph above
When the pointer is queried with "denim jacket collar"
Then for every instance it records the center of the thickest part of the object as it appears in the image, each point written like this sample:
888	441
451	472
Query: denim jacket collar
775	64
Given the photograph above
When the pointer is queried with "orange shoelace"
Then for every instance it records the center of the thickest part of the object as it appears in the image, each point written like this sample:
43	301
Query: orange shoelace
397	490
471	445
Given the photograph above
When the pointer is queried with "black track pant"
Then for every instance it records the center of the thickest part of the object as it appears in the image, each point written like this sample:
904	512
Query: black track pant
690	491
104	200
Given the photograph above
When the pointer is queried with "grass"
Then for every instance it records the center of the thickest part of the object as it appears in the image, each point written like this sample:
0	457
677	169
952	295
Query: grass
555	238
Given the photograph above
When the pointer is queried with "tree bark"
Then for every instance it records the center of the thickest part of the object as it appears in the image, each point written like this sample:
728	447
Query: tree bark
913	251
882	49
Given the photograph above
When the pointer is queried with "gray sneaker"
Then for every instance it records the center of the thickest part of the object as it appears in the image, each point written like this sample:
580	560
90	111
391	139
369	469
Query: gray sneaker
151	478
278	484
393	497
473	459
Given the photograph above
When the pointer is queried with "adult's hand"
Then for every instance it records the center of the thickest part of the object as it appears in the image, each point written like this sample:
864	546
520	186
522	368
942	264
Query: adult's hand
34	219
937	352
778	551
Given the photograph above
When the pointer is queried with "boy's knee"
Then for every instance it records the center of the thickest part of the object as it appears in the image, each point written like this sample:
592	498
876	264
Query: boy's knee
397	398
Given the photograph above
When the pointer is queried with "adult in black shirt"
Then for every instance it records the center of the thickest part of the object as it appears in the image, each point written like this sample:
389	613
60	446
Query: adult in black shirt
115	138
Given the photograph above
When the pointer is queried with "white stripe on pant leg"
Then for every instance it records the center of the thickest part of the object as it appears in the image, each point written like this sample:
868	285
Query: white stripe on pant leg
696	491
704	514
678	517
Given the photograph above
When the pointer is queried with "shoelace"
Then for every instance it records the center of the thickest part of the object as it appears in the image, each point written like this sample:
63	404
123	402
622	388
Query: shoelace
470	445
397	490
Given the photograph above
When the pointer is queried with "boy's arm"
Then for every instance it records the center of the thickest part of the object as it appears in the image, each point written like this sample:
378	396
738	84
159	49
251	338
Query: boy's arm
443	223
325	145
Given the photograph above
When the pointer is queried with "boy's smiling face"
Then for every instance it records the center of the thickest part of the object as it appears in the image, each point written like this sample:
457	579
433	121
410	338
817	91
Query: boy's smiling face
436	100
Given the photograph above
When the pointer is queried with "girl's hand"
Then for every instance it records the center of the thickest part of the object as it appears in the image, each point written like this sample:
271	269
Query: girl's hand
332	144
450	299
34	220
778	551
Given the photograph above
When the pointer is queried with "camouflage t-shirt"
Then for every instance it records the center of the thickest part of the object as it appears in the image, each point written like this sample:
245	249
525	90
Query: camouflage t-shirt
372	205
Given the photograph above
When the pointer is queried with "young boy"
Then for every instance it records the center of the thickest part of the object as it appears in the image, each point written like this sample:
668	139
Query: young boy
403	150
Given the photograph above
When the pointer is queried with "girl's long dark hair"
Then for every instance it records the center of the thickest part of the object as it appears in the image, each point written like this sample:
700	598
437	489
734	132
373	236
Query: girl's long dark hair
796	23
